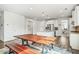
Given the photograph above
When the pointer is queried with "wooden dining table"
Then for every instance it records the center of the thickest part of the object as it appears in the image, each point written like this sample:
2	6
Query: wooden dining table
43	40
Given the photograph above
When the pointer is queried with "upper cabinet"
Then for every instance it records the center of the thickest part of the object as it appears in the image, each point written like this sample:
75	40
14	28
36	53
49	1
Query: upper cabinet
75	16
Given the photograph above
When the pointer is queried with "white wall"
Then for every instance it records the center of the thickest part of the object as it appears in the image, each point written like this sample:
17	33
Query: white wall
35	27
2	25
42	25
14	24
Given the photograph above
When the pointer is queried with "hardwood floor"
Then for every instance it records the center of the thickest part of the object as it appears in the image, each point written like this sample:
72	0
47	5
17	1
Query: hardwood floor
57	47
1	44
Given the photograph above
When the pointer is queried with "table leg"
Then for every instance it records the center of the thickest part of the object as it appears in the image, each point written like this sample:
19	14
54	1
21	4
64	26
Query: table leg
33	43
27	43
22	42
52	46
44	49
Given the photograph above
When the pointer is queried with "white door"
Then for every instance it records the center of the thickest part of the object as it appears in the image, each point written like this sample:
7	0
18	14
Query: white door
30	27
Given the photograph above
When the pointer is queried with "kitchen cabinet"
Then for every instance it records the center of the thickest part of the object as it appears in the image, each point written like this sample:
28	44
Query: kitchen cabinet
75	16
74	40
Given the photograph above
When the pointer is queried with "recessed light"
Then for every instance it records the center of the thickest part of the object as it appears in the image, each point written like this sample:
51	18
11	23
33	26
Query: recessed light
31	8
65	8
62	15
43	14
61	11
48	17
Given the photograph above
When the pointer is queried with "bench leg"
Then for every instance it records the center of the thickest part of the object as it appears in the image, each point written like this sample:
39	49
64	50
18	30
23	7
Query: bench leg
10	51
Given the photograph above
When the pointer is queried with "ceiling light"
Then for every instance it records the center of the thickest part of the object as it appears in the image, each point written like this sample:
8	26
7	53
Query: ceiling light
61	11
43	14
31	8
48	17
65	9
62	15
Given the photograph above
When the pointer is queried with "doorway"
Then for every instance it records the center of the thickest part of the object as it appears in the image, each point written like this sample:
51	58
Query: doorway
30	27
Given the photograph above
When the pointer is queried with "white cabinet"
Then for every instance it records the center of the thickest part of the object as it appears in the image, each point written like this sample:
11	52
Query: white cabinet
75	16
74	40
2	26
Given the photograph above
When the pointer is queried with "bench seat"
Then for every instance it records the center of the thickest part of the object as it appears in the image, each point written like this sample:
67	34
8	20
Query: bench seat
20	49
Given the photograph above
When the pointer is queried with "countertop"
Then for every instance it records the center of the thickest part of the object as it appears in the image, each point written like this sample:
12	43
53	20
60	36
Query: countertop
75	31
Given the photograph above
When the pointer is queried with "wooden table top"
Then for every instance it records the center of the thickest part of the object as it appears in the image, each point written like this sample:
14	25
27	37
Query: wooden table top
37	38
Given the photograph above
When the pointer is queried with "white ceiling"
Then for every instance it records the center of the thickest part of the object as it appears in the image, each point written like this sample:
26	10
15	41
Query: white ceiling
40	11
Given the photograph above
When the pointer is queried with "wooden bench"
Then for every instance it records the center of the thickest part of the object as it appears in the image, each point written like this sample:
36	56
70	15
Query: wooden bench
20	49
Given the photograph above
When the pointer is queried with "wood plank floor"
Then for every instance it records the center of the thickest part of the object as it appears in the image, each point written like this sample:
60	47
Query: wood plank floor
57	48
1	44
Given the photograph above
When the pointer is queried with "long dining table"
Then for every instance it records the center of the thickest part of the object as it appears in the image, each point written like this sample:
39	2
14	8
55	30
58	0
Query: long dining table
43	40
